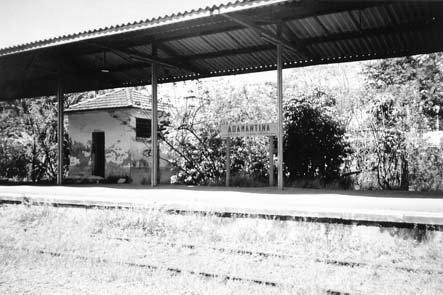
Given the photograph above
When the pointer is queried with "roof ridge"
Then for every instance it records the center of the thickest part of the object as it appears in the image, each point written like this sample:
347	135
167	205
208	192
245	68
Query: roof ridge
95	97
118	98
82	102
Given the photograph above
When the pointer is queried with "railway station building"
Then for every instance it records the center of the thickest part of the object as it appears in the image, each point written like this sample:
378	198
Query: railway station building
238	37
111	139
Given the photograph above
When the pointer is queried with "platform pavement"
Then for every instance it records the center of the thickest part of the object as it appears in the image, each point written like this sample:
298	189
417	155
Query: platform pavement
376	206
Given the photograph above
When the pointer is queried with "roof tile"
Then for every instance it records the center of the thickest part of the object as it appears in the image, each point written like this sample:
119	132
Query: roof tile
122	98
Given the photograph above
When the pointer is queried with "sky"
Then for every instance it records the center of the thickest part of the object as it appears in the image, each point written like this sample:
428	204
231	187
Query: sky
23	21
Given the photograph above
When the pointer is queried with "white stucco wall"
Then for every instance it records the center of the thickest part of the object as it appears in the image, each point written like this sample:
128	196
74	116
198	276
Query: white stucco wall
125	155
140	151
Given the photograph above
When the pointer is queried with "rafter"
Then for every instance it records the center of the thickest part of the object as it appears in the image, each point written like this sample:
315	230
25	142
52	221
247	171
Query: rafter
230	52
143	62
267	35
190	58
286	31
135	55
413	26
180	61
131	55
323	27
354	20
308	41
71	67
294	12
220	25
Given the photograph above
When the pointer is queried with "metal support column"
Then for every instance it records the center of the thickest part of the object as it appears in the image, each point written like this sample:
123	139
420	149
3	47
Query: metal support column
280	116
228	160
154	124
60	131
271	161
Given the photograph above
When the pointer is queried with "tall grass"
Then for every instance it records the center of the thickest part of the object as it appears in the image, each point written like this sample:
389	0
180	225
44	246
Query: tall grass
92	233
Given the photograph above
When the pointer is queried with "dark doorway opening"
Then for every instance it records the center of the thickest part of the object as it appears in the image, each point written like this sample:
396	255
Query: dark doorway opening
98	154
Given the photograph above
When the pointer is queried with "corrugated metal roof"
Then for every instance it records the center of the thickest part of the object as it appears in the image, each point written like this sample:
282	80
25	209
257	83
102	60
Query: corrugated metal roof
210	42
140	25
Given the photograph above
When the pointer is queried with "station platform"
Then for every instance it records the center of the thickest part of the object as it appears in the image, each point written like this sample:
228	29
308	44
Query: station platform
350	207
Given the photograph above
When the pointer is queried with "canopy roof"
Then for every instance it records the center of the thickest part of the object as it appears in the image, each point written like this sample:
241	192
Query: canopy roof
238	37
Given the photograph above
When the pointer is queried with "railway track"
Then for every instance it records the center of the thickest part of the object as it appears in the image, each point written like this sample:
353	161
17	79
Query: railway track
284	256
173	270
219	276
225	214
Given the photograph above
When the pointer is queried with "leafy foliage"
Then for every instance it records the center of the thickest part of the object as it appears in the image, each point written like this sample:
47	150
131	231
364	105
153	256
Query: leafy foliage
424	73
315	145
198	151
400	99
425	165
13	161
384	123
29	133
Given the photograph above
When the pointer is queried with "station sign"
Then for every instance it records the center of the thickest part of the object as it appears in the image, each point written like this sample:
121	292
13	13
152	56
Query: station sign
250	129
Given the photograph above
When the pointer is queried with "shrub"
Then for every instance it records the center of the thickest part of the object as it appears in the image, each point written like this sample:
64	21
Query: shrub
314	144
426	168
13	162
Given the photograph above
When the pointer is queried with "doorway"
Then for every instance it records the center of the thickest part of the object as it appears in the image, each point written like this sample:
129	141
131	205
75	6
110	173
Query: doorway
98	154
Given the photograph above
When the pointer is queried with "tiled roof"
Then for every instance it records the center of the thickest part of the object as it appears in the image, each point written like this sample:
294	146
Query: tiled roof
121	98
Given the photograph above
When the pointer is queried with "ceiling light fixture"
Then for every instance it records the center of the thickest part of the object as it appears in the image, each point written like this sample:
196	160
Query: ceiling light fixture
104	69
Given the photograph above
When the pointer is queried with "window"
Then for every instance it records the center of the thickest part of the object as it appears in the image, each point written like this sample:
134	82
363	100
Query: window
142	128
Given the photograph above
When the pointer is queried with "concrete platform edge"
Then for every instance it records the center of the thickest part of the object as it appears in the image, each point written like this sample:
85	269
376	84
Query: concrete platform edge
386	219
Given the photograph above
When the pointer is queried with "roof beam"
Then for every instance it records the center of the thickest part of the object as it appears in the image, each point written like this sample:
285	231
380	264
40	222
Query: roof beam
181	61
323	27
356	22
190	58
413	26
131	55
286	31
230	52
315	40
246	50
135	55
294	12
125	67
310	41
220	25
267	35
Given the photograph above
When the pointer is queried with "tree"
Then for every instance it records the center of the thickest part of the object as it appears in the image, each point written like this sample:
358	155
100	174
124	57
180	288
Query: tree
29	139
13	161
389	141
314	144
423	73
400	96
198	151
